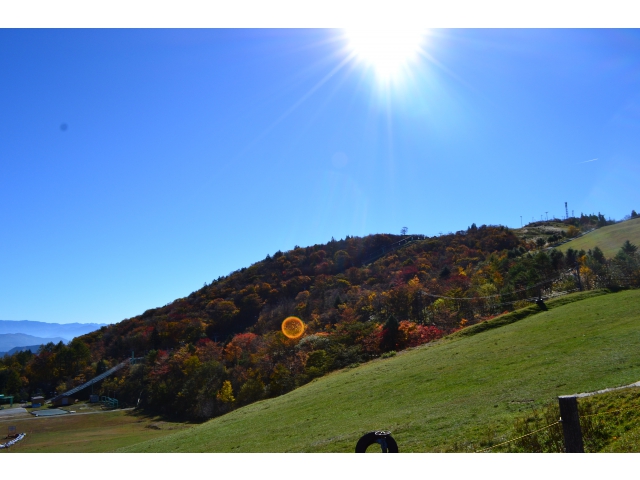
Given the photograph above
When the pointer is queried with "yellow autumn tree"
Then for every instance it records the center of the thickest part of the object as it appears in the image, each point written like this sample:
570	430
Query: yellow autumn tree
225	394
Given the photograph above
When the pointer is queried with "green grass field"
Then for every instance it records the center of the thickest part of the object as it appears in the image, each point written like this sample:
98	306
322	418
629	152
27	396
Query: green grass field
460	394
85	432
609	239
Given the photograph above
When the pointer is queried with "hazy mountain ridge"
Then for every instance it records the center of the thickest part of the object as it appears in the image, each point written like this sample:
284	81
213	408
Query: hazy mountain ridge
68	331
32	348
9	341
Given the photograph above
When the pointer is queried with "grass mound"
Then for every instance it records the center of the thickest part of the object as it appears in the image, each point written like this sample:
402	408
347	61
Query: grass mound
522	313
450	396
609	238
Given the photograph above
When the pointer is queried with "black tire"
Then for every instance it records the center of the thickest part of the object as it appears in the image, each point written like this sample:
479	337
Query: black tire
370	438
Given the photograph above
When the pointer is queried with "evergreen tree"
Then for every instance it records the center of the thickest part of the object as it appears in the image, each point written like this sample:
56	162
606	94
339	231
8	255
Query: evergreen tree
629	248
445	272
390	333
155	339
337	301
598	255
101	367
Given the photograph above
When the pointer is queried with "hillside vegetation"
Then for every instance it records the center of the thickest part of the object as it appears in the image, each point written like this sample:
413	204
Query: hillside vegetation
554	232
608	239
462	393
221	347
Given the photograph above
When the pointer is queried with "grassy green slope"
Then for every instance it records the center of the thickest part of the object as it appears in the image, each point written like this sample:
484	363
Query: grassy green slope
609	239
443	397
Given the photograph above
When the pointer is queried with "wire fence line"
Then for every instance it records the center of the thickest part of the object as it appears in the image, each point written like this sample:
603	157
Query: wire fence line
544	282
519	438
608	412
598	414
608	276
446	309
477	307
549	426
537	298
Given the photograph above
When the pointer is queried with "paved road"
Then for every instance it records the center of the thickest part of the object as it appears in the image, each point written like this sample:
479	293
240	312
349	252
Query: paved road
7	412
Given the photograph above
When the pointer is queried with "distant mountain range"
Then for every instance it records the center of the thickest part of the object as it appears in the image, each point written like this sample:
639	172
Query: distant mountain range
11	340
33	348
29	333
44	329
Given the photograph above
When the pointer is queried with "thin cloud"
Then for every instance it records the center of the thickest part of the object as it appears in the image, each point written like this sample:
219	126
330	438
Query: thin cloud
587	161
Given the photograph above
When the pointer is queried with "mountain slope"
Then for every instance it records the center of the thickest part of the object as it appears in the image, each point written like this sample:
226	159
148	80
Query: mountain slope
358	298
609	238
444	397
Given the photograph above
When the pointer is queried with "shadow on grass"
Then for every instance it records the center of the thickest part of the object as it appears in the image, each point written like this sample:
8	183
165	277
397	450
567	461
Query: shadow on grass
143	415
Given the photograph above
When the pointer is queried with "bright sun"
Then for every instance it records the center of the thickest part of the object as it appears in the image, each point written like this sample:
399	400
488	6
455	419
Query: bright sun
388	50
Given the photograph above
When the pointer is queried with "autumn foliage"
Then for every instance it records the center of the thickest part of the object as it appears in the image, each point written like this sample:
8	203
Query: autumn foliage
221	347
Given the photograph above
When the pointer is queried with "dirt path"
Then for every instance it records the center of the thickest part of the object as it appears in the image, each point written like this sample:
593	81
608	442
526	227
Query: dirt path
611	389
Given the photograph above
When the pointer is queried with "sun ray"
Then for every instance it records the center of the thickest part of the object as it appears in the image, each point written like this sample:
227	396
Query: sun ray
390	50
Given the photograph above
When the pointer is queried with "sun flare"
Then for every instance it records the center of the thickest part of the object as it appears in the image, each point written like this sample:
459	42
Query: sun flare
388	50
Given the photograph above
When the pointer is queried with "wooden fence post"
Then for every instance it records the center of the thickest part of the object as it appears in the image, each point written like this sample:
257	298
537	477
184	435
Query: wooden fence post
571	424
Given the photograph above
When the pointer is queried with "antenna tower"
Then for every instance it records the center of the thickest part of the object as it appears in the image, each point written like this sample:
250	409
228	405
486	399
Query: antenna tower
566	211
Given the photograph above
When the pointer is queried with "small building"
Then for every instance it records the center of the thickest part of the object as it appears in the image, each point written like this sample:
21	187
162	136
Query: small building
63	401
37	401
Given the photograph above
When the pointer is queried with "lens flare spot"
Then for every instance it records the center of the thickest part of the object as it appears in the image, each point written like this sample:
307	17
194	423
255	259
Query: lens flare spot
292	327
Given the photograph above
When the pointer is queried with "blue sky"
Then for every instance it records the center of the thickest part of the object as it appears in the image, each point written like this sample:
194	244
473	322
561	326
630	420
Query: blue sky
192	153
